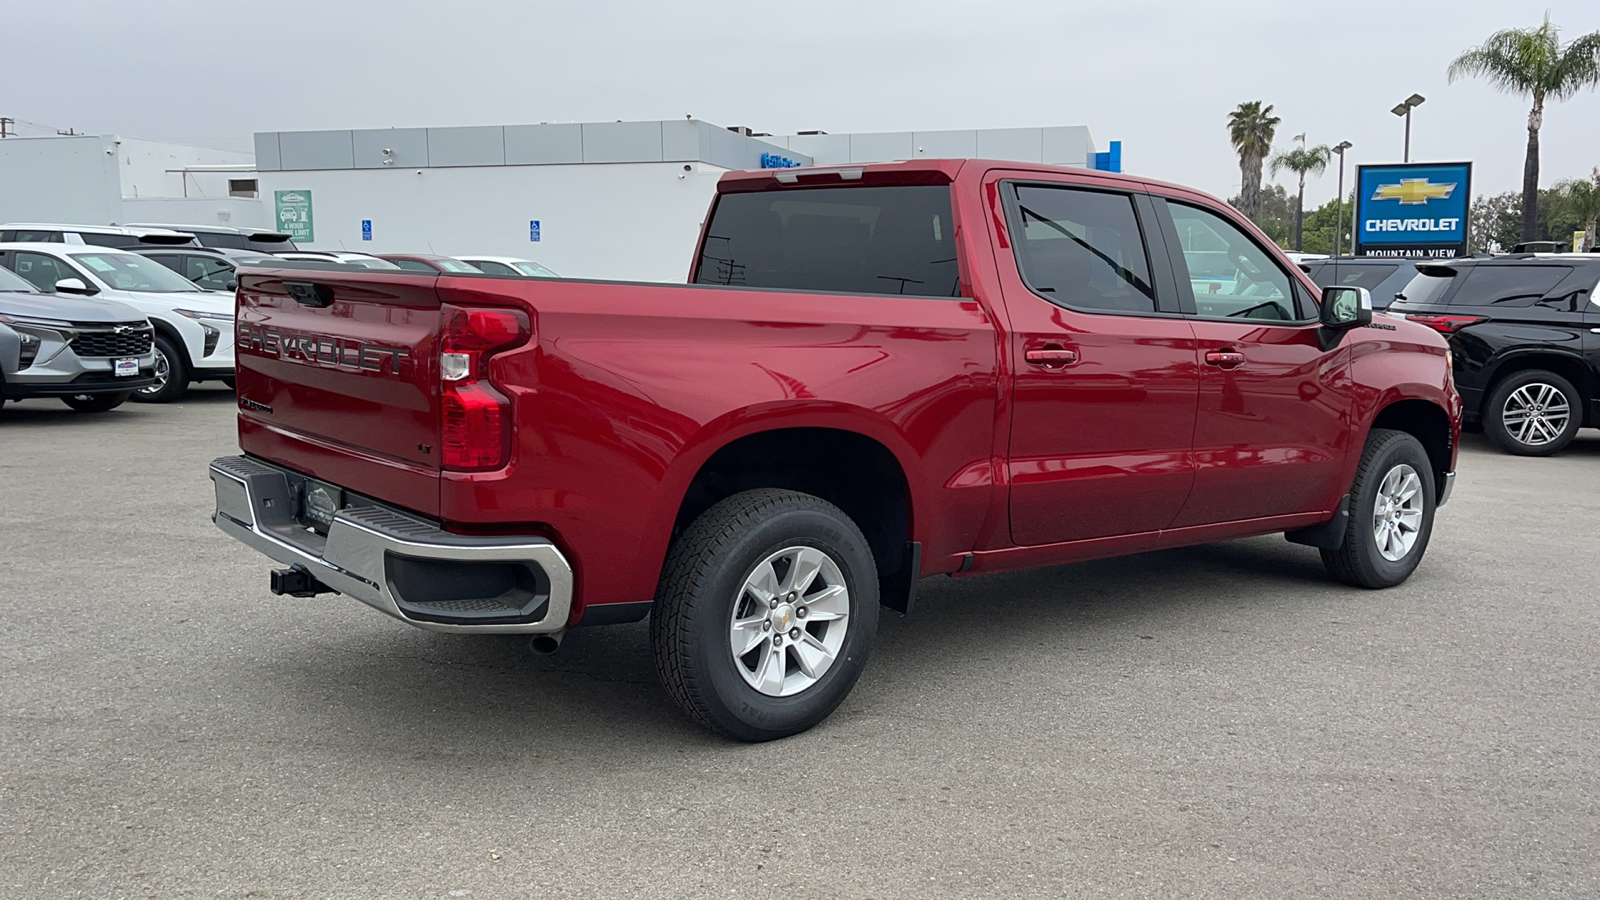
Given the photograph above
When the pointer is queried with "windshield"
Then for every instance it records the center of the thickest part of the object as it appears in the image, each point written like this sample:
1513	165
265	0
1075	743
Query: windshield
534	270
12	283
127	272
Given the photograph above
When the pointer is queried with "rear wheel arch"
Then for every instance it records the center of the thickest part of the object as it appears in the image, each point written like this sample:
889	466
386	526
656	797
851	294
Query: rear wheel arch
1429	424
857	473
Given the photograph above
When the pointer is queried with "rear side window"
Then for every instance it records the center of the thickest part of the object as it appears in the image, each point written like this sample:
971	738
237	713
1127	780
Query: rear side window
1083	249
859	240
47	237
109	240
1507	285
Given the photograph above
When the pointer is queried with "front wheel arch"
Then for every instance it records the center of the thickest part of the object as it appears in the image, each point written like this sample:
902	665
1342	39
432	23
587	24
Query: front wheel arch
1429	424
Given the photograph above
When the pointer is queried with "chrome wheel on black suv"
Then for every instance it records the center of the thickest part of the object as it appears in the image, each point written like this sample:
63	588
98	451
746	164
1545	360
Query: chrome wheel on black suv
1533	413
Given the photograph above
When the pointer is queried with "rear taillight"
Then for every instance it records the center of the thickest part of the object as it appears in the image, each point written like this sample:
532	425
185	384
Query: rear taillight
1444	324
477	418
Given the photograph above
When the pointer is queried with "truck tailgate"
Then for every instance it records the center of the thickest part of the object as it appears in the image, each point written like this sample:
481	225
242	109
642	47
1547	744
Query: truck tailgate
338	378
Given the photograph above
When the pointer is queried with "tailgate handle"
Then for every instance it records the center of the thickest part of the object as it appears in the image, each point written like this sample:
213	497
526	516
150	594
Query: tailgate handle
306	293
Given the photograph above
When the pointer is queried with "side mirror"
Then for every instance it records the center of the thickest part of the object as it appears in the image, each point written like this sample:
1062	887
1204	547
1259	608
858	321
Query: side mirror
232	285
75	286
1345	307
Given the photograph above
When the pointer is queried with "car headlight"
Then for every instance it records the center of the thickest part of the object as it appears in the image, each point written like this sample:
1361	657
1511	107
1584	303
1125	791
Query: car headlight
36	321
199	315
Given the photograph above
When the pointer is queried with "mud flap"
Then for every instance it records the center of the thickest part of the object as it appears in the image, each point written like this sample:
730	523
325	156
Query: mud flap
1327	536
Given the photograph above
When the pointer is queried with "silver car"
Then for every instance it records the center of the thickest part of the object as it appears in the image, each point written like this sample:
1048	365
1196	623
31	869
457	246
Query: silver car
89	354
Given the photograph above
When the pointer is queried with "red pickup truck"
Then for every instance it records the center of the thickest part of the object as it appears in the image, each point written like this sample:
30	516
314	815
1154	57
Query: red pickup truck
875	374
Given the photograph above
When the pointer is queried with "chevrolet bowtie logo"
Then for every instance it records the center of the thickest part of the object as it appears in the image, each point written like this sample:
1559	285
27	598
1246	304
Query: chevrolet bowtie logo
1414	191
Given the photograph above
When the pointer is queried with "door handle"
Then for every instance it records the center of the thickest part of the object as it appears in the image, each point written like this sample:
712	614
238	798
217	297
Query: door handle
1594	331
1051	357
1224	359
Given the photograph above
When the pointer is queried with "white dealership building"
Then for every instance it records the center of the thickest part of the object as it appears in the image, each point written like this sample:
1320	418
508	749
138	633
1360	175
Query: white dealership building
616	200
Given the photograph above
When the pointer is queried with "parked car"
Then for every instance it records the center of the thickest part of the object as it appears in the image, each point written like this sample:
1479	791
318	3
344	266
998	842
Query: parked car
877	373
224	238
1524	332
1382	277
193	327
210	268
431	264
360	260
91	354
95	235
509	266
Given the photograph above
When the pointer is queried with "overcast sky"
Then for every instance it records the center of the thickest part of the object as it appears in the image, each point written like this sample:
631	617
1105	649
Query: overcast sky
1160	77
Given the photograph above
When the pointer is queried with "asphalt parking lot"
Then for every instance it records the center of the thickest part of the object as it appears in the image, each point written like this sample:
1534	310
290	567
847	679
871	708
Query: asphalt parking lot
1215	722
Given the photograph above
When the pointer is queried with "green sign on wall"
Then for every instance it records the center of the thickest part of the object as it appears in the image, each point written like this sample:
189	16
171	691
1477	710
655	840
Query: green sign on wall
294	215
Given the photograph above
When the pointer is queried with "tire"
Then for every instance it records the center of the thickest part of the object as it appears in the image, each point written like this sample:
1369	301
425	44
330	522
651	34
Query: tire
1389	457
711	575
172	368
231	382
1533	413
96	403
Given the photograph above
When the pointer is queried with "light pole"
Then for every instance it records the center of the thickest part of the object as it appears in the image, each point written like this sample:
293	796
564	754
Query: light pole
1338	207
1404	110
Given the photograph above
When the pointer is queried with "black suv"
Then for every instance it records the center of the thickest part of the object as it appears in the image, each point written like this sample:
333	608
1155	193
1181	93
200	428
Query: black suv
1525	333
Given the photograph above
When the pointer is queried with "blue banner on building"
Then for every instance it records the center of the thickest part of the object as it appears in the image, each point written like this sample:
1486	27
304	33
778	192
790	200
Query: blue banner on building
1415	210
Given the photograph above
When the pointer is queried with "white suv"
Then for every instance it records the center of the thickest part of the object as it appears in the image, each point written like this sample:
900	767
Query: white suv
97	235
194	327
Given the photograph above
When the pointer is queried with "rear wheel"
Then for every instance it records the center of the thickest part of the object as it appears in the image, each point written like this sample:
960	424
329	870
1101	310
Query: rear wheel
1391	513
93	403
767	609
172	374
1533	413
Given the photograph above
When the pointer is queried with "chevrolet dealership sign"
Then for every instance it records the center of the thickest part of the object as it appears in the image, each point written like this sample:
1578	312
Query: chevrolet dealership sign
1415	210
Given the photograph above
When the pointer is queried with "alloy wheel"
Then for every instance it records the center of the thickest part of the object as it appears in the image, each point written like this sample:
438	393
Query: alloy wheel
1397	512
1536	414
789	621
163	372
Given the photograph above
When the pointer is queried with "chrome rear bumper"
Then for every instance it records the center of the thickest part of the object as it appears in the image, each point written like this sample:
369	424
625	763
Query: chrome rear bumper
373	553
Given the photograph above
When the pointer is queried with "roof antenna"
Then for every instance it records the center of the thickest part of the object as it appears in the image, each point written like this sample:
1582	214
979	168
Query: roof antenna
431	250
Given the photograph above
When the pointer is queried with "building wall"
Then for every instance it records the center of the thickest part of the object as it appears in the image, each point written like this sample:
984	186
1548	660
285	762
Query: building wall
60	179
234	212
143	169
628	221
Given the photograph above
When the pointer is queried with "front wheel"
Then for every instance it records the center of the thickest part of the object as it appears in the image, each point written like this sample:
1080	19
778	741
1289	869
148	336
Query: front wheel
94	403
1391	513
766	611
172	374
1533	413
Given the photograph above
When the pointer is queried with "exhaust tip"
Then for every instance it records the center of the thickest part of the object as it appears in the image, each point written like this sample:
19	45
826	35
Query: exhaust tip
546	644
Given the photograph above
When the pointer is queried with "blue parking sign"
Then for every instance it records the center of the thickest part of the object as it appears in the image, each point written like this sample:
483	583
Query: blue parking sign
533	230
366	229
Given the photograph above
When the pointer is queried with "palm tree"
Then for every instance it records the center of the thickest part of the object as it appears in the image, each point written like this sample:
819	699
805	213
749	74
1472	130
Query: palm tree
1302	161
1581	197
1251	128
1531	62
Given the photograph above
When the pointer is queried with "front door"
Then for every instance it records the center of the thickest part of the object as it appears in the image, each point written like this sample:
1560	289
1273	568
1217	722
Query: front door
1105	374
1273	427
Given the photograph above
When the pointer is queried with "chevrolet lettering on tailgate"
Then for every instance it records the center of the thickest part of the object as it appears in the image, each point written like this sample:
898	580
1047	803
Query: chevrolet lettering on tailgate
322	350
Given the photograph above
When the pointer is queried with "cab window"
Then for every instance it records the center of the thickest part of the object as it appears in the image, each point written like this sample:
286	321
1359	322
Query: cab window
1231	275
1083	249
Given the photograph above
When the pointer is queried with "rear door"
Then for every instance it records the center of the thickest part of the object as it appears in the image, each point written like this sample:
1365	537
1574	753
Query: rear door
1105	374
1271	434
338	377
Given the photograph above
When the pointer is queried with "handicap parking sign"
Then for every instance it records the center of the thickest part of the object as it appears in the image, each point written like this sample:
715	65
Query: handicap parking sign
533	230
366	229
